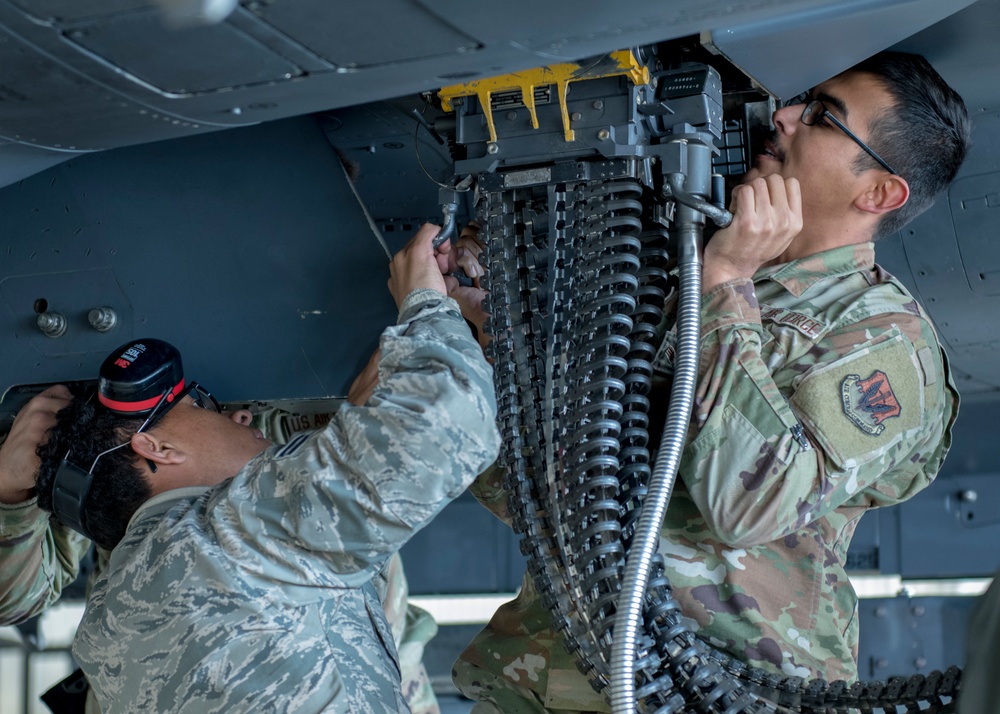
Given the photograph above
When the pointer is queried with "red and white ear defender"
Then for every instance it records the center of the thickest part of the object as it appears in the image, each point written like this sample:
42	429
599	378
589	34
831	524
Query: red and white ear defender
139	379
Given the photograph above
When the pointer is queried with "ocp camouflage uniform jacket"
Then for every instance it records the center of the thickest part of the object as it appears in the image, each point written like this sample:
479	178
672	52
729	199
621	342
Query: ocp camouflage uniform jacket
756	533
256	595
38	558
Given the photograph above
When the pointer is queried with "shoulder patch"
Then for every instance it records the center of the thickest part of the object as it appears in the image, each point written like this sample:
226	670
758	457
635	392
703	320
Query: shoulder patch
863	403
869	402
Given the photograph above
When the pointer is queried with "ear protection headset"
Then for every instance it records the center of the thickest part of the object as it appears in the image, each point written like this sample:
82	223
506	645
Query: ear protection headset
142	378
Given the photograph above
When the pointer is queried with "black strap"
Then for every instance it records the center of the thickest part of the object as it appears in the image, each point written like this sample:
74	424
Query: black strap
69	696
69	493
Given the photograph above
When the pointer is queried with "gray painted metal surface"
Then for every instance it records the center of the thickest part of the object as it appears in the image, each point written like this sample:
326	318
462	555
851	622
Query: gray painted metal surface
246	249
85	75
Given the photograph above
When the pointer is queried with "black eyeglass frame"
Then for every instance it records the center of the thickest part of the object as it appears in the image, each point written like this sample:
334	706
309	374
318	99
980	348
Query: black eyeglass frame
71	485
810	110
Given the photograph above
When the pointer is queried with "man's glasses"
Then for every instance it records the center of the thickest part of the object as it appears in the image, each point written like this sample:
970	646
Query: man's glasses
815	112
72	484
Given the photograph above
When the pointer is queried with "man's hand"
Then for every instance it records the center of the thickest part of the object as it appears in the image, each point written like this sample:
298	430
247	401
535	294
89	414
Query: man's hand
464	255
18	460
767	215
417	265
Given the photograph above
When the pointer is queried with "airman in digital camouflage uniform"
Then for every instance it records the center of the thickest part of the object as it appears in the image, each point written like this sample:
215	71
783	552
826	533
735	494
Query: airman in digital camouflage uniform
412	627
254	592
823	391
39	556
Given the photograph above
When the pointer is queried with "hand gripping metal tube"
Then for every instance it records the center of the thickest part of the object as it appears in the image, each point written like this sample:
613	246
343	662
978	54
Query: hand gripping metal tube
661	484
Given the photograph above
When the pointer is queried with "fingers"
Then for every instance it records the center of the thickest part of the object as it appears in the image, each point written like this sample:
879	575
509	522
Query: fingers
18	457
769	207
464	254
470	301
52	399
767	216
470	232
468	261
416	265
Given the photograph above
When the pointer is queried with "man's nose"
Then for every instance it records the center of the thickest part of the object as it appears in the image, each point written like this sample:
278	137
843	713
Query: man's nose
786	119
243	417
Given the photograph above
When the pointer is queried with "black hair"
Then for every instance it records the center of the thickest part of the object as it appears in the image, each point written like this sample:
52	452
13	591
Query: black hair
85	429
925	136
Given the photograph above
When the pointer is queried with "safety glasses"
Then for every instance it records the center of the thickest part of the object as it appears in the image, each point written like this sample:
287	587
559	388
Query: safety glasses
72	484
815	111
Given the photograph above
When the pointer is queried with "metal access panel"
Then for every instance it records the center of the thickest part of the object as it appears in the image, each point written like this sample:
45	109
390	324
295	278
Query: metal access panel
247	249
904	636
951	529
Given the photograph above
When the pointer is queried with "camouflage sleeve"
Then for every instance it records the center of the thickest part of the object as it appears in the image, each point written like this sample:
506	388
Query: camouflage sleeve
38	558
489	490
864	417
354	492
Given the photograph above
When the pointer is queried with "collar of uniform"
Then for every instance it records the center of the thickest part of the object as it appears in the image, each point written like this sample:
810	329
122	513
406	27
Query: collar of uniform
162	501
800	275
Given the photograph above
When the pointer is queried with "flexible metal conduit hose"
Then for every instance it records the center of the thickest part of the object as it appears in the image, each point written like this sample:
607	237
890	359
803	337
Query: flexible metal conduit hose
661	482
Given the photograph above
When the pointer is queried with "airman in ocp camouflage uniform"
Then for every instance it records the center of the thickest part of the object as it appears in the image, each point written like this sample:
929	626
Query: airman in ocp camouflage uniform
842	356
822	391
763	576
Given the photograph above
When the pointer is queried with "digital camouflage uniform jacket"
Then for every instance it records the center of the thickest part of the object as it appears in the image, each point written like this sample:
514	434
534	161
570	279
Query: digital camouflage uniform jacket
756	533
257	595
412	627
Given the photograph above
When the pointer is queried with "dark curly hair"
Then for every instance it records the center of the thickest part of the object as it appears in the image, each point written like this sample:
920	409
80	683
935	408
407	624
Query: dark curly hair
925	135
86	429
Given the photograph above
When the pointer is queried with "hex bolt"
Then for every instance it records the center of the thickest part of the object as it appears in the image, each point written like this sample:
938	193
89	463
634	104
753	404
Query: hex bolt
576	116
52	324
919	611
492	148
598	104
604	135
920	662
102	319
511	116
968	496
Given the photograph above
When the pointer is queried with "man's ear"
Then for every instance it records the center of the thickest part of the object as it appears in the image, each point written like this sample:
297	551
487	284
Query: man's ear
887	195
159	451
